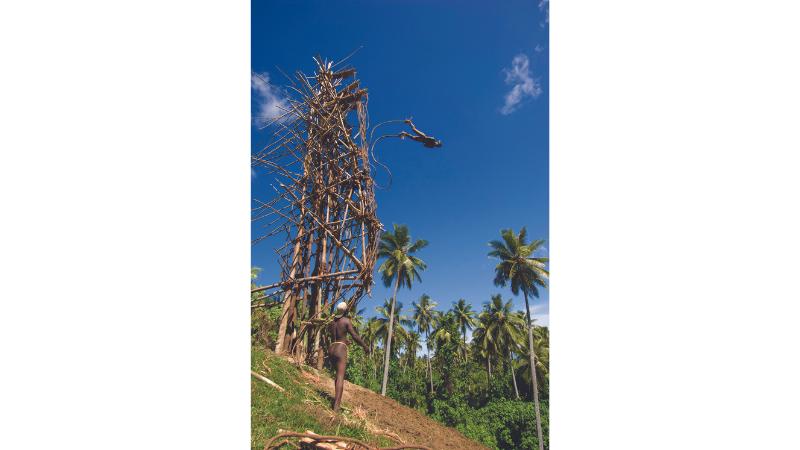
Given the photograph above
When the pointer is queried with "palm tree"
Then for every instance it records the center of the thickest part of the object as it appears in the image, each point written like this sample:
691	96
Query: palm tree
446	335
424	316
525	272
481	347
370	335
503	329
463	349
441	334
401	267
382	329
541	345
465	317
357	319
412	345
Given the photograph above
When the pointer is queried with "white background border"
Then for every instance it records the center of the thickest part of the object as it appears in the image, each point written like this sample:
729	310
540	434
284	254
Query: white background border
125	184
124	248
674	225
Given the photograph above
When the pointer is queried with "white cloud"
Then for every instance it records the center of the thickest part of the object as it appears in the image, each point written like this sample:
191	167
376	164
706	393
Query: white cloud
540	313
271	103
544	6
523	85
539	307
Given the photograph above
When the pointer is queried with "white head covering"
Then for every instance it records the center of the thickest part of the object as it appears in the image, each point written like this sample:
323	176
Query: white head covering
341	308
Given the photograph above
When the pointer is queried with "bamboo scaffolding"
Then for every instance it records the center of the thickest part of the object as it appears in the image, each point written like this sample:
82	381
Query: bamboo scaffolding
324	204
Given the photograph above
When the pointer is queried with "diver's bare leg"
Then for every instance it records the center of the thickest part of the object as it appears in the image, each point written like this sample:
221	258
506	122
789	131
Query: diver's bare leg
416	131
341	364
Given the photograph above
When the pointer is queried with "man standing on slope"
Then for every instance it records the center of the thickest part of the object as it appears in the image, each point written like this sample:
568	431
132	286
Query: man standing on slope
339	329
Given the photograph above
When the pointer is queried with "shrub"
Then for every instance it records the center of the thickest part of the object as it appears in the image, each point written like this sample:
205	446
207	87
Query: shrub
505	424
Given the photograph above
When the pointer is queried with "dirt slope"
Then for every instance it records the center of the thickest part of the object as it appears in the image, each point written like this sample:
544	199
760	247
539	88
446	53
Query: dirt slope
387	414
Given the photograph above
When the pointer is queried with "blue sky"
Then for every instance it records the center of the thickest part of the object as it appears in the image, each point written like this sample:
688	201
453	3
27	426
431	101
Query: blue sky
473	74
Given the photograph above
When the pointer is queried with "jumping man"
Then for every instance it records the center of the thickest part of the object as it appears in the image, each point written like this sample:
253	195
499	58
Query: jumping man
339	329
419	136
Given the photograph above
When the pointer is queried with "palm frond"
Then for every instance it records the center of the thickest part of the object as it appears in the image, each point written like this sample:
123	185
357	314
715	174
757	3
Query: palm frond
419	244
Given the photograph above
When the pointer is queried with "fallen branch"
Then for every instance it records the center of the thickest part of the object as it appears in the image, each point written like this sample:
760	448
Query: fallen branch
389	434
266	380
304	437
407	447
316	439
286	442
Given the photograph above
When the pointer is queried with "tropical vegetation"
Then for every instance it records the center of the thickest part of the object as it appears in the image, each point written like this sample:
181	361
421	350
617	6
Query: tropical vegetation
483	371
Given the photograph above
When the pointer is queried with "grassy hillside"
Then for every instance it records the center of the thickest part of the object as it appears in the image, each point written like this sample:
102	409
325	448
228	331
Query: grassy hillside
299	408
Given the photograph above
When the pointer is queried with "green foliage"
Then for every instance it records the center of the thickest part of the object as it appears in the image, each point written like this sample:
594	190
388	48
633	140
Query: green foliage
405	386
513	422
483	409
264	326
399	334
500	386
465	316
263	321
446	338
504	424
359	368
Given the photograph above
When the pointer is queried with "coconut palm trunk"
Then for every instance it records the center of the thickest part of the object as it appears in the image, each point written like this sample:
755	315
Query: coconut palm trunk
465	345
428	350
488	374
374	369
533	373
513	375
388	349
374	362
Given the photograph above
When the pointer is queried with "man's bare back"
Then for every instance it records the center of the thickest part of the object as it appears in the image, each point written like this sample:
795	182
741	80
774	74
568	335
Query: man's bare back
340	328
